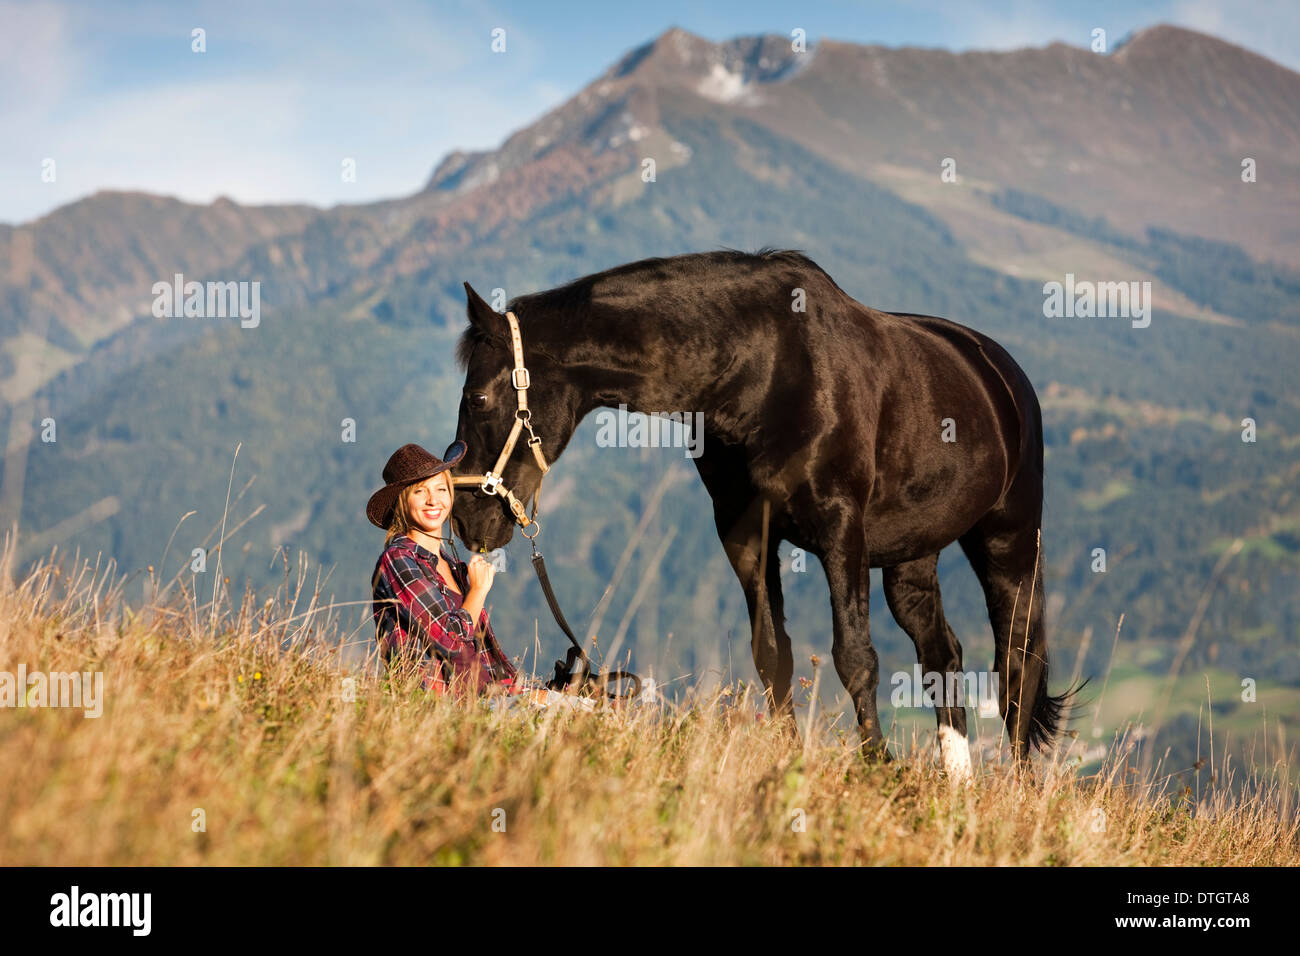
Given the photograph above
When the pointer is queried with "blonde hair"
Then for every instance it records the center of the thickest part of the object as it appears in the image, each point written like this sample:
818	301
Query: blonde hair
400	523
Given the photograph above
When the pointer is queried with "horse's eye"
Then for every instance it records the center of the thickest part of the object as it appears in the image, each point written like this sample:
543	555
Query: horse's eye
477	400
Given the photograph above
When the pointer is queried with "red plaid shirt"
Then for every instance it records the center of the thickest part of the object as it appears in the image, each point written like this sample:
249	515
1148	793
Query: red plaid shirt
419	618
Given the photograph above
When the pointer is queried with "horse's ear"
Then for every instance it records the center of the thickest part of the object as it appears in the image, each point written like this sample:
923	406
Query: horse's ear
481	315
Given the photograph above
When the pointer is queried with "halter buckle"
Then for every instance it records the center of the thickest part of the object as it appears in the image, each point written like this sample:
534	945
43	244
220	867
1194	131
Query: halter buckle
514	378
490	483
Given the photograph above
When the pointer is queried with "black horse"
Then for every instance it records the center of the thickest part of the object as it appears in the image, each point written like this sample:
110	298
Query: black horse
870	439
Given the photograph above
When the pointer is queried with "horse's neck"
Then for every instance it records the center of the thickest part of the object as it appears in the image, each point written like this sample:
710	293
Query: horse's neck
672	373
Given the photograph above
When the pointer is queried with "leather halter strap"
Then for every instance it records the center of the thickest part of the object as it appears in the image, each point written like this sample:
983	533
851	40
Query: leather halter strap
491	483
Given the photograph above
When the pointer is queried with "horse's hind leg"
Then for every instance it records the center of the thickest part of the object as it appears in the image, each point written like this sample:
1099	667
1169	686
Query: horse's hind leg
912	592
1006	558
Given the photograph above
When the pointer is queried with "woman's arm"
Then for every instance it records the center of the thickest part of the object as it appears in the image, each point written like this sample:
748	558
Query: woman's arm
473	602
476	578
446	631
480	573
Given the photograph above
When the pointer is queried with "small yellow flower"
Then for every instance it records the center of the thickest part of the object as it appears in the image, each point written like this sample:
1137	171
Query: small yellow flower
257	675
240	678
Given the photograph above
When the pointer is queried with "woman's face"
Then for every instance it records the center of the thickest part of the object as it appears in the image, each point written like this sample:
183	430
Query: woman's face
428	503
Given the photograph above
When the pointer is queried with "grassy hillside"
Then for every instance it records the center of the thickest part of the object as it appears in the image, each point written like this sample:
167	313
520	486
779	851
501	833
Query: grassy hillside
243	738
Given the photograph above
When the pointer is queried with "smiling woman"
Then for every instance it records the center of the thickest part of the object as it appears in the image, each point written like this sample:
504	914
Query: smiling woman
428	605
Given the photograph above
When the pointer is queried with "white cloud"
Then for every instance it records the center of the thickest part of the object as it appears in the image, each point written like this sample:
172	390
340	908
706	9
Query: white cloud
267	114
38	61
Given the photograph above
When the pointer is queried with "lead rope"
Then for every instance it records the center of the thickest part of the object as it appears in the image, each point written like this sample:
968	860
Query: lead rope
576	668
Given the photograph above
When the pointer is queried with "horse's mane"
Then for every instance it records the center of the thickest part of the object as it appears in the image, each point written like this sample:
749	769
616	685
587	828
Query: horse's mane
580	288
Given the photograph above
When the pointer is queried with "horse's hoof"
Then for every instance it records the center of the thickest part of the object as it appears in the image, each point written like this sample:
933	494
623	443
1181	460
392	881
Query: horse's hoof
955	753
876	752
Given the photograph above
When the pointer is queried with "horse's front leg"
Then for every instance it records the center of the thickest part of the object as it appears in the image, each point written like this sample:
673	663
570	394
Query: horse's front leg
751	544
848	572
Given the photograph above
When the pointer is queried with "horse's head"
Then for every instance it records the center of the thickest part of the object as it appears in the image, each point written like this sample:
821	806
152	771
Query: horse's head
488	407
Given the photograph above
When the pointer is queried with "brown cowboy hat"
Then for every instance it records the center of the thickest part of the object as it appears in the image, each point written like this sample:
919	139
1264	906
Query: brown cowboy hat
408	464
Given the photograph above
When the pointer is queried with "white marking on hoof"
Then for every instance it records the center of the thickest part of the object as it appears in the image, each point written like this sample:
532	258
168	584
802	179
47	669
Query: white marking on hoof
955	752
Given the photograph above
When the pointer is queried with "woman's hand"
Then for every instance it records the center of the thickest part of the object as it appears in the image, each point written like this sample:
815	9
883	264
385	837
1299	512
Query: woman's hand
481	573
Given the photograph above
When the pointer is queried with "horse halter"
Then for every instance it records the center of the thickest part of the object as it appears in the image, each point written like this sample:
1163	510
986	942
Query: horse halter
491	482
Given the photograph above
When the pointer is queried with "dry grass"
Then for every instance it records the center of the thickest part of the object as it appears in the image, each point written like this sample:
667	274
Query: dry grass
244	716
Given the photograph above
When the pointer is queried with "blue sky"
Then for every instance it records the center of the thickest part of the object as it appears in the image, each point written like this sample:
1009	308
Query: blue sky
112	93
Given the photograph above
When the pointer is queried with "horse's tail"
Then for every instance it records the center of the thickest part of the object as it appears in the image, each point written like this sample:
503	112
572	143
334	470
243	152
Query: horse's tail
1049	713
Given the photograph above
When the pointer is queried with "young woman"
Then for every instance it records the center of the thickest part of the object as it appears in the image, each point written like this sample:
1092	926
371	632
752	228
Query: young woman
428	605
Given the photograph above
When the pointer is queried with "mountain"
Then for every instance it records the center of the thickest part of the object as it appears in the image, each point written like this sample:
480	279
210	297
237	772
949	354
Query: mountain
1125	167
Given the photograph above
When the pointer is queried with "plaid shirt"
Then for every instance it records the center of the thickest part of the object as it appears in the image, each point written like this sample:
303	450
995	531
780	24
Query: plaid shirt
420	619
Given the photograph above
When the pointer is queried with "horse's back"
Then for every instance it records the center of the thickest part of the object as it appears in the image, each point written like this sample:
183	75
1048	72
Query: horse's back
964	336
984	353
